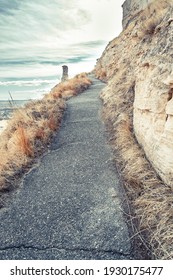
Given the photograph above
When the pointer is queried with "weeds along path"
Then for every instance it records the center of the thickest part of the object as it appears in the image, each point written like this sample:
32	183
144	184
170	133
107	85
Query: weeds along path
69	206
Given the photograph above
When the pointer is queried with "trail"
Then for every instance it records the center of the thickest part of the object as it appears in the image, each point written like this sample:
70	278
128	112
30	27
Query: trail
69	205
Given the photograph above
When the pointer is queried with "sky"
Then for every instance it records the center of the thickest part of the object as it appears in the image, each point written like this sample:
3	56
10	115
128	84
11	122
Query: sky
37	37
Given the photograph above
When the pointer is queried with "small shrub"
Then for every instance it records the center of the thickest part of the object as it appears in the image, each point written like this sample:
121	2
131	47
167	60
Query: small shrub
52	123
40	134
101	74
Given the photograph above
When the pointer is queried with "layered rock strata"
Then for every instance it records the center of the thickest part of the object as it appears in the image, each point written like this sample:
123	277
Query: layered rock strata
142	58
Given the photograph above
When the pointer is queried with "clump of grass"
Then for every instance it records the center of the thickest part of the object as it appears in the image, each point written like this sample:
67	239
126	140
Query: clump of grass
101	74
152	17
52	123
150	26
24	142
31	128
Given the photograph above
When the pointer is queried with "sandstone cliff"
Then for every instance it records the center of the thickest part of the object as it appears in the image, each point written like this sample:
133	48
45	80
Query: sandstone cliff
143	56
132	8
138	100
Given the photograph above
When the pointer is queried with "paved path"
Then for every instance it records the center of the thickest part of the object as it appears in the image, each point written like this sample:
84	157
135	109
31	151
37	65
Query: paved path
68	206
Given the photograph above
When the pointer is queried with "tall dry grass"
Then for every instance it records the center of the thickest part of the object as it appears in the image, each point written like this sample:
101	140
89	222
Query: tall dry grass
101	74
70	88
31	128
150	200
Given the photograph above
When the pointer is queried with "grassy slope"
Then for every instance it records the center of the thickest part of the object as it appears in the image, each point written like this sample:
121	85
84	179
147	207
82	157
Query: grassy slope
151	201
30	130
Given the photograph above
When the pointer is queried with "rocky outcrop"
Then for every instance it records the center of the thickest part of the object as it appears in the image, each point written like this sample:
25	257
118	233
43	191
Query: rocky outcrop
138	107
65	73
153	112
132	8
142	56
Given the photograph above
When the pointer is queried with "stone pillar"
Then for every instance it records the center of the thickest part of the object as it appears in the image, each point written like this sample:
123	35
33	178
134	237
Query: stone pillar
65	73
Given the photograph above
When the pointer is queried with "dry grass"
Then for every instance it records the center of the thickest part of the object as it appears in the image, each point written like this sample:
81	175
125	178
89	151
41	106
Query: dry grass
101	74
151	200
71	87
30	129
152	17
24	141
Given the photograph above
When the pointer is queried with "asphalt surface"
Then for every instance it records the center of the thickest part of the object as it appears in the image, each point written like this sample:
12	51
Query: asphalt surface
69	205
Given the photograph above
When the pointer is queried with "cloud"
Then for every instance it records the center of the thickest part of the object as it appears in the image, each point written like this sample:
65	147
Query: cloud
7	7
71	53
26	83
92	44
39	22
36	29
46	33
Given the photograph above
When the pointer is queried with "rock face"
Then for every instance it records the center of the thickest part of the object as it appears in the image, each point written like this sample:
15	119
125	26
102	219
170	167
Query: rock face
131	9
153	115
142	58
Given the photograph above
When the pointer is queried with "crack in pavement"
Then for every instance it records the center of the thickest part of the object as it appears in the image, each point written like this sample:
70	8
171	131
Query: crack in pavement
78	249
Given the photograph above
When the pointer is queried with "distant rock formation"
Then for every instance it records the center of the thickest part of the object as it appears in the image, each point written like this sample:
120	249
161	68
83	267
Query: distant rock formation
65	73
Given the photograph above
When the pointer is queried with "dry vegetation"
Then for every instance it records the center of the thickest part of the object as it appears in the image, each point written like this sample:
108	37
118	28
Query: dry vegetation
31	128
150	200
152	17
101	74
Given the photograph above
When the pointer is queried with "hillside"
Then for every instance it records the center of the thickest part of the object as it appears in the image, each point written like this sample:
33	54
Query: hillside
138	108
30	129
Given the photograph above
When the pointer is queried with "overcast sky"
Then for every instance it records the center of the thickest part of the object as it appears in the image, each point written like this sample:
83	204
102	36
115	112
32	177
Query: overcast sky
38	36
